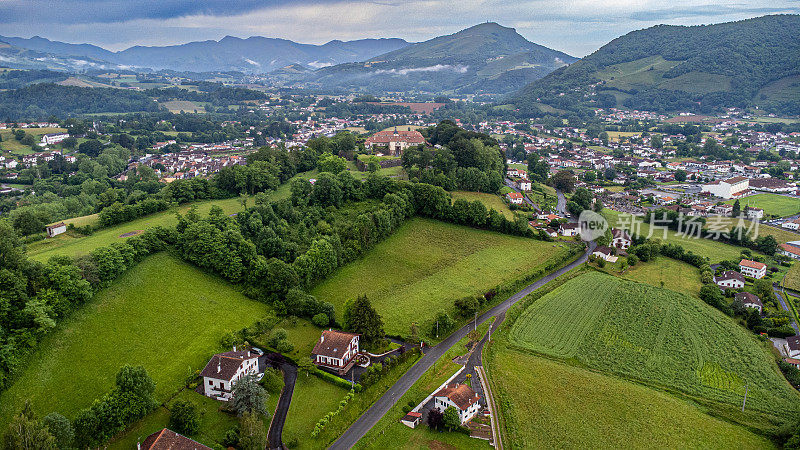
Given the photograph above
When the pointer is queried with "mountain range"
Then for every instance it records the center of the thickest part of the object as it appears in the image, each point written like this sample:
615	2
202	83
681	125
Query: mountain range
753	62
483	58
252	55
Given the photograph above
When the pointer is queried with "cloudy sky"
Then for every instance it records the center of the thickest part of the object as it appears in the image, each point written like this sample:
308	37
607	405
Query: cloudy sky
577	27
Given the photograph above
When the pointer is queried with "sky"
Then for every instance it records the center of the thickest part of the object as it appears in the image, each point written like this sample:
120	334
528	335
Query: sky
577	27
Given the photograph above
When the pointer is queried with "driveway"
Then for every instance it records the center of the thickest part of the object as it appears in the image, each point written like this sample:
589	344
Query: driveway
279	418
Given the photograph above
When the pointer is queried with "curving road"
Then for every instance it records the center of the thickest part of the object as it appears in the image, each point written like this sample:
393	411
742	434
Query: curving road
278	420
382	406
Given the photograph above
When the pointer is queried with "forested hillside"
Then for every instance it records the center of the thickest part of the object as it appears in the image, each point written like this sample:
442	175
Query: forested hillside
42	100
753	62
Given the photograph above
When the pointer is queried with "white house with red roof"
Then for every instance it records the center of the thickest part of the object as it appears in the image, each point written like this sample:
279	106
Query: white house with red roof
336	350
394	142
753	269
225	369
459	396
515	198
790	249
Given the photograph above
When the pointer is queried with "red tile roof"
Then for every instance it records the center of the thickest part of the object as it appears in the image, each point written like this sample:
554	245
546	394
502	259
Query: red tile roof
167	439
752	264
460	394
386	136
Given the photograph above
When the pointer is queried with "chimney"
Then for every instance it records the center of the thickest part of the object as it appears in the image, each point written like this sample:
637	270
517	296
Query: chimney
248	353
219	365
234	348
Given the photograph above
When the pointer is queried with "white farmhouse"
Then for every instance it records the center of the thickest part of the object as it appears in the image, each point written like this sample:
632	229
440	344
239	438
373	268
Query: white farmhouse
225	369
752	269
792	346
459	396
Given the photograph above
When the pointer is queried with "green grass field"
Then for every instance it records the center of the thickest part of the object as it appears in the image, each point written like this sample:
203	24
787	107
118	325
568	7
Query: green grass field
74	245
657	337
163	314
491	201
716	251
426	264
10	144
213	422
547	404
676	275
311	400
772	204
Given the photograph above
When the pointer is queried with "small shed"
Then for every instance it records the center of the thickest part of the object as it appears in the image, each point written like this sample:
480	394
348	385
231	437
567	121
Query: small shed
411	419
56	229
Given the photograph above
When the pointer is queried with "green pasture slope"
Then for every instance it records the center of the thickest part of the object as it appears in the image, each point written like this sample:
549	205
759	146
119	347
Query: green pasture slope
73	245
772	204
715	251
426	264
163	314
658	337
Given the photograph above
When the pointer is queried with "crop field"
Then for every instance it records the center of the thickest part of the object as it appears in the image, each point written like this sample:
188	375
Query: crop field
75	245
577	408
772	204
676	275
491	201
658	337
792	280
163	314
715	251
418	272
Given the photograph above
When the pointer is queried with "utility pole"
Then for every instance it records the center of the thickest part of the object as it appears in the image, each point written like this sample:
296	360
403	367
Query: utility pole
476	320
437	328
745	397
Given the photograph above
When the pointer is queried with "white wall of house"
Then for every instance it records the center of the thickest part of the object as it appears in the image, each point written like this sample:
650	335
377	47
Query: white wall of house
751	272
442	403
736	284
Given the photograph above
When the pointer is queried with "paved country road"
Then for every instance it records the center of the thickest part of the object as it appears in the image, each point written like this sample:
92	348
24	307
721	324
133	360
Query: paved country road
382	406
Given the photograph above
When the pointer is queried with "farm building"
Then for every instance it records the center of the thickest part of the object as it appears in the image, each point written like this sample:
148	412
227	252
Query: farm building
225	369
569	229
461	397
411	419
755	213
336	350
56	229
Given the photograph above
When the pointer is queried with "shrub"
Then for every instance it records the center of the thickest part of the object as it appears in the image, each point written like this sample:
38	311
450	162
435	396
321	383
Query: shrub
183	418
321	320
272	380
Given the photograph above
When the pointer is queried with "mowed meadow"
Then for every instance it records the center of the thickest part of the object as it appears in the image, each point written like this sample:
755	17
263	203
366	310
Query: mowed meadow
163	314
69	244
426	264
657	337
